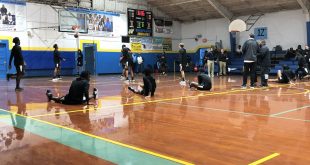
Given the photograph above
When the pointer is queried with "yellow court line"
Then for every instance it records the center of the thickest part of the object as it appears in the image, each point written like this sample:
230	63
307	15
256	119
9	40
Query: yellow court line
107	140
169	99
265	159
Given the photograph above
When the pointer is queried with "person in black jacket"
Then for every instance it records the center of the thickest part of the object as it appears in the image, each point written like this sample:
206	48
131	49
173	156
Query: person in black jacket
204	83
250	50
78	92
290	53
223	61
183	62
19	63
149	85
302	70
265	63
127	58
79	60
57	59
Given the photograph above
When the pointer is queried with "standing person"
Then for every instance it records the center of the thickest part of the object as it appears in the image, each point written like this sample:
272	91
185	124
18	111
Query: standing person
205	61
307	55
223	60
302	70
250	50
183	62
163	63
239	51
57	60
3	10
211	59
78	92
126	53
19	63
140	61
80	60
265	63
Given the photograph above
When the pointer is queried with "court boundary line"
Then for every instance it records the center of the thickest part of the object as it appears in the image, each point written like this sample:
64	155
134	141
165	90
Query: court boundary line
265	159
289	111
238	112
105	139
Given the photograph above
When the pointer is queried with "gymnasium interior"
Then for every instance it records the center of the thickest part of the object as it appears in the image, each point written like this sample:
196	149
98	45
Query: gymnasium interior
233	123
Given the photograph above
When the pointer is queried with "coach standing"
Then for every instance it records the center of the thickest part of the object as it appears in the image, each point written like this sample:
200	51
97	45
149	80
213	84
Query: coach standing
250	50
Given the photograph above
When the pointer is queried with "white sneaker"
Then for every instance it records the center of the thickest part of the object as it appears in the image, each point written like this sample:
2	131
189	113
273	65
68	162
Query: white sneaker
183	83
55	79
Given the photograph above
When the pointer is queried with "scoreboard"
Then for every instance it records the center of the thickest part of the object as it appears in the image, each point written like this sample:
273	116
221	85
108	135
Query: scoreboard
140	22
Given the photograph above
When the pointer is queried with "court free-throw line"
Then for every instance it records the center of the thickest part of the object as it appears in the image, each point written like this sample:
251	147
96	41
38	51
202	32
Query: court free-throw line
265	159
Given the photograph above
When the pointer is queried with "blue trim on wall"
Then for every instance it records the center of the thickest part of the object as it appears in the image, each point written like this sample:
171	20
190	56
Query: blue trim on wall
41	63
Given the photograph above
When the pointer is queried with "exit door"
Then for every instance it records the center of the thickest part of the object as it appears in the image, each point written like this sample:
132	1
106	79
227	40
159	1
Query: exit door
3	59
90	59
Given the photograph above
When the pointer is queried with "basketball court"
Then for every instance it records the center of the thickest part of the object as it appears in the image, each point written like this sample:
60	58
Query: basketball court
187	47
180	126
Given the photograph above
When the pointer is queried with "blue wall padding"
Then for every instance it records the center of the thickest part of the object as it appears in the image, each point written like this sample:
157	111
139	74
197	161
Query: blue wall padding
44	60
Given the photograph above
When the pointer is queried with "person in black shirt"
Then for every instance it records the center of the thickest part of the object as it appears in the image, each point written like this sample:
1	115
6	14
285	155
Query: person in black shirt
19	63
302	70
183	62
290	53
149	85
163	63
3	10
79	61
57	60
285	76
265	63
78	92
204	83
128	61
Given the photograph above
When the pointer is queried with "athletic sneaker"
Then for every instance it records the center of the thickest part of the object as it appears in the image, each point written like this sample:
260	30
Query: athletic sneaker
55	79
243	86
191	85
252	86
19	89
183	83
131	89
49	95
8	77
95	93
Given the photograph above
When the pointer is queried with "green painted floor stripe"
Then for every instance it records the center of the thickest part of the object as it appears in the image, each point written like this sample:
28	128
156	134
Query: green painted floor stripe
105	150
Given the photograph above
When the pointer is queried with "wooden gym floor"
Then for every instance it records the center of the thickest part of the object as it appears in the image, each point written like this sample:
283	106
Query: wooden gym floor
178	126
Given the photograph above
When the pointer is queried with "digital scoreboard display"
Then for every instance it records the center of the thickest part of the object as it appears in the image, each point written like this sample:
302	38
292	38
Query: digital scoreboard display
140	22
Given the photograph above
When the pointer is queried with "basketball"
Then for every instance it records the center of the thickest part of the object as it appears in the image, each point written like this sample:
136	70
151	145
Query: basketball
74	27
76	35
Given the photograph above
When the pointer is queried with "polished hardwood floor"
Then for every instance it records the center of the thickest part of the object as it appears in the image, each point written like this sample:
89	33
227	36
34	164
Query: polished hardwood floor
227	125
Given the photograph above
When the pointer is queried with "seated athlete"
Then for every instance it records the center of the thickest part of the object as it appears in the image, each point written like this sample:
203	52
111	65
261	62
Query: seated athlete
78	92
285	76
149	85
204	83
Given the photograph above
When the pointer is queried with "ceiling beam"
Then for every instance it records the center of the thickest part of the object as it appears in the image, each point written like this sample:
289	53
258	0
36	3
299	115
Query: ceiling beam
221	9
175	4
304	4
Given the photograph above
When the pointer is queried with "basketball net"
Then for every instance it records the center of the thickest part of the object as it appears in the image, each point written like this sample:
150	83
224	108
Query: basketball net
76	29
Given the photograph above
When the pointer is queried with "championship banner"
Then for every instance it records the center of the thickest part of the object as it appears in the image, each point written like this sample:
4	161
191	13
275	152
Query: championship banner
136	46
12	15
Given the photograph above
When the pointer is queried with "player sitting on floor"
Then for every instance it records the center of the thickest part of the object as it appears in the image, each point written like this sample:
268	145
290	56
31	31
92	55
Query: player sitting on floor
204	83
78	92
149	85
285	76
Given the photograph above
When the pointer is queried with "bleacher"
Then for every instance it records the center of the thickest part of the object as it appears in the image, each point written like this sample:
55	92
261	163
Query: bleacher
277	61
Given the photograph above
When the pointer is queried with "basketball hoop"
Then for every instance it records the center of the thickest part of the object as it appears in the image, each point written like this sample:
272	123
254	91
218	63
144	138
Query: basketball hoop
237	25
